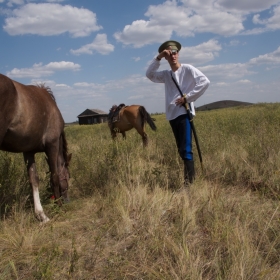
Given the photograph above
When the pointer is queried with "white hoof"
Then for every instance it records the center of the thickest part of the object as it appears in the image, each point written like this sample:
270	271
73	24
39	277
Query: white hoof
42	217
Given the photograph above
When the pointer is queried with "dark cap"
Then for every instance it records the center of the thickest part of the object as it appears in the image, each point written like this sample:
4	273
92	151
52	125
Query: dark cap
173	44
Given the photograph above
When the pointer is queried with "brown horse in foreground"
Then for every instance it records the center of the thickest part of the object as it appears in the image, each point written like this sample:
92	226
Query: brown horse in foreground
128	117
30	122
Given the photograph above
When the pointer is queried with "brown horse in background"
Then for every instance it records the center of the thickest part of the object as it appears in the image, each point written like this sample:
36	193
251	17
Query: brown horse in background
124	118
30	122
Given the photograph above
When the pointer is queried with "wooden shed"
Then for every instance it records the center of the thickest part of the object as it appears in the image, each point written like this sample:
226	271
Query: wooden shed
92	116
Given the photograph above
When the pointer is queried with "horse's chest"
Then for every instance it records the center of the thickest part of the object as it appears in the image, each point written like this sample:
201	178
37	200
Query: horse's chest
16	141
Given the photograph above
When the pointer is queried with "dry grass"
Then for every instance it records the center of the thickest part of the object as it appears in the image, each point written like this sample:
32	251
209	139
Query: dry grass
130	217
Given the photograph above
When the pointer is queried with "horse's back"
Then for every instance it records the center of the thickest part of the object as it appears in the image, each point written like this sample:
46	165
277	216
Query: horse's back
130	117
131	111
30	116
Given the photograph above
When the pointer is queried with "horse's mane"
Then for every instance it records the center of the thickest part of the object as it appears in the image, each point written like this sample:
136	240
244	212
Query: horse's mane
47	89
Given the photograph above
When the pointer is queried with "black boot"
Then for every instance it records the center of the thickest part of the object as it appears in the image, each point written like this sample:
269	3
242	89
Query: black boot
188	171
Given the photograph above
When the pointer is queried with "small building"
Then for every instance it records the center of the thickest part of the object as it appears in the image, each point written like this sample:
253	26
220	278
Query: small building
93	116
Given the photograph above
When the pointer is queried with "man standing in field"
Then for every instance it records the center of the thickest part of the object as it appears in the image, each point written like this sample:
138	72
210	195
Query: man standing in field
193	84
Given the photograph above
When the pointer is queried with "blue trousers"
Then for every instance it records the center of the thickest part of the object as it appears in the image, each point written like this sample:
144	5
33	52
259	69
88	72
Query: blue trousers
182	131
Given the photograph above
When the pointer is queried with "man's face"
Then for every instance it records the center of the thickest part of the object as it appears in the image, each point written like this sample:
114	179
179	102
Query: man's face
172	58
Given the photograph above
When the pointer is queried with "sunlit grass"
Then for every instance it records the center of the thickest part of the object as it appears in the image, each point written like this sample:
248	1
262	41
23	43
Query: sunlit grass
130	216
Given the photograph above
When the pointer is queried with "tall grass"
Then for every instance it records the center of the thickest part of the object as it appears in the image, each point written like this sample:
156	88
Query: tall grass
130	216
244	145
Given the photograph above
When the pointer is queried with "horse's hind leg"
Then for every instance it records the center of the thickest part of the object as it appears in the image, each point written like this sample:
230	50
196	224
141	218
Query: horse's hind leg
145	139
144	135
29	160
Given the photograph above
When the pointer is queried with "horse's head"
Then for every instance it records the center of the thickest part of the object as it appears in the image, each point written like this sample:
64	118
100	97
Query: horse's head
61	191
64	176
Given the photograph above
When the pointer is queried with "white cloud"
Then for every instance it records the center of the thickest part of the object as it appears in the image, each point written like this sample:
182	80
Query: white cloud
268	24
245	81
55	1
245	6
99	45
39	70
11	3
269	58
136	58
234	43
141	33
256	19
134	97
62	85
239	72
62	65
84	84
49	19
189	17
209	19
221	84
255	31
184	20
228	71
274	21
202	53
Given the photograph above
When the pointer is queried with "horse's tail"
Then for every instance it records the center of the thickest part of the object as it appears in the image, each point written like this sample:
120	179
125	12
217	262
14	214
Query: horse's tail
145	117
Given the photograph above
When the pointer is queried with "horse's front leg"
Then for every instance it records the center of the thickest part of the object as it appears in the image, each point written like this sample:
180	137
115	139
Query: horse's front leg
113	134
29	160
123	135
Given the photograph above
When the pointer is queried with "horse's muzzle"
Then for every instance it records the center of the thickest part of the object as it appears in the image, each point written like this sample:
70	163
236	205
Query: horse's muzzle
66	199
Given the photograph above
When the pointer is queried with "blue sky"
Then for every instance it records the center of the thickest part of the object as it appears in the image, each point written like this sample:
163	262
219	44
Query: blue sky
94	54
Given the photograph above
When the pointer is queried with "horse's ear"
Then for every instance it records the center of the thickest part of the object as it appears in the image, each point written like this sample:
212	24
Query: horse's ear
69	157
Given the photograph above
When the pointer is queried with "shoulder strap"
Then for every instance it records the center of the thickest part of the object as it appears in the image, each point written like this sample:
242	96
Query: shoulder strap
188	105
176	85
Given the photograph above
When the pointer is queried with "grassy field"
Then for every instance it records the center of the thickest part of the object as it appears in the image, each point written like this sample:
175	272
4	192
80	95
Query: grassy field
130	216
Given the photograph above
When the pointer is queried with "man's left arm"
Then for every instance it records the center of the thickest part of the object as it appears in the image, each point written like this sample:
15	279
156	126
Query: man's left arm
201	84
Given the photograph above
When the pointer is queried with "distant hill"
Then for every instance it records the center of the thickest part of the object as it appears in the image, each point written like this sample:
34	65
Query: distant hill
222	104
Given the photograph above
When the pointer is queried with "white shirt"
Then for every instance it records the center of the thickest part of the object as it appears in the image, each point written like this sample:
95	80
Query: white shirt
190	80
